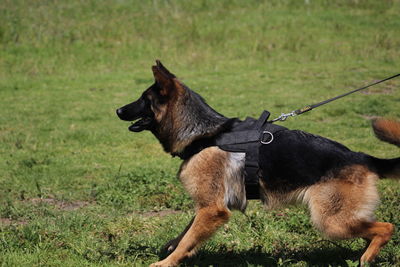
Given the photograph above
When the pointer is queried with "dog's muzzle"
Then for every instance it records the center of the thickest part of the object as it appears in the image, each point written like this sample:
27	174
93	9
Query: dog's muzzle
142	123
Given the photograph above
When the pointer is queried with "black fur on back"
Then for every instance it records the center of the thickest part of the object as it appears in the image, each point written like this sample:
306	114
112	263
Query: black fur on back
297	159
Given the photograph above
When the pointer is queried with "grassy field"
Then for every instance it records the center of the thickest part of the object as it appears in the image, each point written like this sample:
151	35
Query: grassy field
78	189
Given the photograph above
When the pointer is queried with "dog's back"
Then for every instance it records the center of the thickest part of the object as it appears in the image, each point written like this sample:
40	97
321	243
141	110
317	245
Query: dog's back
296	159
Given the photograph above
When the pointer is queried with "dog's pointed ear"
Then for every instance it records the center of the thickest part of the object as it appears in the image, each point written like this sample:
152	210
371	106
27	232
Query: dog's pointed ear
164	78
164	69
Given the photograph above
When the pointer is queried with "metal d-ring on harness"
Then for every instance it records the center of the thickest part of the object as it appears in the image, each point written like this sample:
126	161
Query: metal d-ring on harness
265	141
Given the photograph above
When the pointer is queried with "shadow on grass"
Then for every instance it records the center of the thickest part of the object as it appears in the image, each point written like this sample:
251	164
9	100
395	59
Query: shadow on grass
323	256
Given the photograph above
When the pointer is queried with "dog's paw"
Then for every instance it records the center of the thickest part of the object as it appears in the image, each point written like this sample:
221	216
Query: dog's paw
170	246
163	263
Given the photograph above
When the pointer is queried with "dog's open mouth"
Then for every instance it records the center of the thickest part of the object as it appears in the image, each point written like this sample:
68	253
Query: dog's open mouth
141	124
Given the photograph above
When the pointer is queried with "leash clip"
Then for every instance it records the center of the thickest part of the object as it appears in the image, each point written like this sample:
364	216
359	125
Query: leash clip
284	116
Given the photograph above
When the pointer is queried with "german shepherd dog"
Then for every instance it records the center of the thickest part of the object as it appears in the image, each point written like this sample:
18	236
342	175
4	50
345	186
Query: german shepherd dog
337	184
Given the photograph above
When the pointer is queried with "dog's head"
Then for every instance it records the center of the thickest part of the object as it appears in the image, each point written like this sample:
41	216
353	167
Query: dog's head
152	105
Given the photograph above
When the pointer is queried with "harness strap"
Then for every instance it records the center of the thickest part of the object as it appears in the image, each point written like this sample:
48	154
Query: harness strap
263	119
243	137
239	137
247	137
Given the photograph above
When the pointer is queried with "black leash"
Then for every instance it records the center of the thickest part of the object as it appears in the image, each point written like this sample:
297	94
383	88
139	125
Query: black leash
296	112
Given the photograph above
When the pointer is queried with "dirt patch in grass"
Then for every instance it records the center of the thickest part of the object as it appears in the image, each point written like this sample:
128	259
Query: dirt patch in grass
160	213
7	222
60	204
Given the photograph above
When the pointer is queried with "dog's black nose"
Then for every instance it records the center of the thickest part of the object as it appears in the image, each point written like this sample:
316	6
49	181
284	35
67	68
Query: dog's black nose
119	112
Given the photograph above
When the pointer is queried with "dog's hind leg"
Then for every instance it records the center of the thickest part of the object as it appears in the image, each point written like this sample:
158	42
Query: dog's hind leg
379	233
206	222
343	208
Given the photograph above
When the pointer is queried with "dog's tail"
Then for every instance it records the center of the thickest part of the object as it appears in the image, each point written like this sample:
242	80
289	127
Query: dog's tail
387	131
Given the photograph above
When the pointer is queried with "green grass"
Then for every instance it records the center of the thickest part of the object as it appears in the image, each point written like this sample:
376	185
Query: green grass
78	189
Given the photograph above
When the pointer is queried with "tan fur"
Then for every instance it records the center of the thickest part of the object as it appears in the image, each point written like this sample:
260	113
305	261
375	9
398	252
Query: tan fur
206	222
273	199
378	233
341	207
203	177
341	202
387	130
159	110
235	193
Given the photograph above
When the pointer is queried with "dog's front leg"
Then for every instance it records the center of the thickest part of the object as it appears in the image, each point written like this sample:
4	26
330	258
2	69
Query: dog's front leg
207	221
171	245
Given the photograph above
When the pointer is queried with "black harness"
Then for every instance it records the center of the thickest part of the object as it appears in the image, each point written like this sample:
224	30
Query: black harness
245	137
